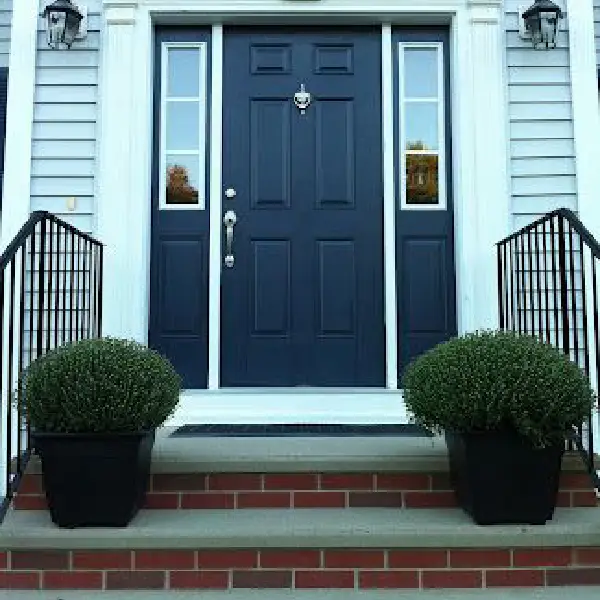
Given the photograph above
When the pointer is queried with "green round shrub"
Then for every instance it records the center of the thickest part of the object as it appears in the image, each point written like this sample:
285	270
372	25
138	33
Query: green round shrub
99	386
496	380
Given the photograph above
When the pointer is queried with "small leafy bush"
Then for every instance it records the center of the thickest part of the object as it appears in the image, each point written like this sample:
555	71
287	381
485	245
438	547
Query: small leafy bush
498	380
99	386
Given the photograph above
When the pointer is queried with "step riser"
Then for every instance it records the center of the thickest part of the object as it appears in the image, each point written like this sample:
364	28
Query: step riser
305	490
299	569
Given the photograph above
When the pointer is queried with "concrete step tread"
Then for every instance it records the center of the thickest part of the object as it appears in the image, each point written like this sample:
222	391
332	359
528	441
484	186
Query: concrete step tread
574	593
314	528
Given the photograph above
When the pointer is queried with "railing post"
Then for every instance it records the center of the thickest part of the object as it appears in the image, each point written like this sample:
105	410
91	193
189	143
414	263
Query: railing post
501	272
564	297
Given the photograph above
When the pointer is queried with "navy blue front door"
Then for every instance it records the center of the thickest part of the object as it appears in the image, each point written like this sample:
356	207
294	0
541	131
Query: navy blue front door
303	302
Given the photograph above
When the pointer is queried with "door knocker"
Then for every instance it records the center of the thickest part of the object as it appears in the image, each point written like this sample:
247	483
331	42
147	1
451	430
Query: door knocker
302	99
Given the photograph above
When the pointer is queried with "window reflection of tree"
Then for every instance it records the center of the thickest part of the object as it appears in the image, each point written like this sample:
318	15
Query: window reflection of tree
421	175
179	190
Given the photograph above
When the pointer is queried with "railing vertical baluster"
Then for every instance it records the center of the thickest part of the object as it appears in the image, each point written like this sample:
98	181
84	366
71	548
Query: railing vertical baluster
555	290
57	293
524	285
100	290
71	287
50	270
501	309
513	301
539	285
20	365
518	288
531	291
84	292
77	290
41	289
596	340
546	294
584	298
32	252
10	367
64	290
575	325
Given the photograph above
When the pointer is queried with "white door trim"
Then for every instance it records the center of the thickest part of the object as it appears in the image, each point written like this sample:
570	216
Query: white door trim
480	153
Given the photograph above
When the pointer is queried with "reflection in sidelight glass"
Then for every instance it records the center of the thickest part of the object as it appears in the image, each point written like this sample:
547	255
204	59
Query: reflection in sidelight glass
182	179
183	125
422	181
420	72
183	73
421	125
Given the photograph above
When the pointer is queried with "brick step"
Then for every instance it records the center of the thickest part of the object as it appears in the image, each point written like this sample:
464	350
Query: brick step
227	473
301	550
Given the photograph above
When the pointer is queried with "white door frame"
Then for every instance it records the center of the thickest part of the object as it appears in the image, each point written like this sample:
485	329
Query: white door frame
480	154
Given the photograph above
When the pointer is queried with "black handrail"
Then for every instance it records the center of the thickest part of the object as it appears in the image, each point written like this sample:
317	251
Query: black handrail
50	294
547	287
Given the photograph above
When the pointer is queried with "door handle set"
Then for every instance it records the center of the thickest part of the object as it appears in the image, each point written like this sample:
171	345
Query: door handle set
229	220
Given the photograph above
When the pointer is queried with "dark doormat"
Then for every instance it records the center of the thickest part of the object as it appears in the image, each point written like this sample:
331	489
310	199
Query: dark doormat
301	430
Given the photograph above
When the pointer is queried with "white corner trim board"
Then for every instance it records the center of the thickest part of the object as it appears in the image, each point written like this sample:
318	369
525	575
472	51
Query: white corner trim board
19	120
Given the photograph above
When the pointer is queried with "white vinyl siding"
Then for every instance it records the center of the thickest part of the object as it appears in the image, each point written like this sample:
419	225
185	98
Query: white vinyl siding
64	128
597	29
542	162
5	23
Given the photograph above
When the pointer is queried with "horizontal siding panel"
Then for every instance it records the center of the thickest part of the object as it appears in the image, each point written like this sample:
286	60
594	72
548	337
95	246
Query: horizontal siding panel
79	59
538	75
56	167
541	130
92	40
70	94
542	166
64	131
542	148
540	111
64	149
62	186
84	205
556	184
539	93
524	57
66	76
543	204
514	41
65	112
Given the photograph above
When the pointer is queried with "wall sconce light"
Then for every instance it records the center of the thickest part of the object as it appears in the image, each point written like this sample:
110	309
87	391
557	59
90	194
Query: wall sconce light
65	22
540	24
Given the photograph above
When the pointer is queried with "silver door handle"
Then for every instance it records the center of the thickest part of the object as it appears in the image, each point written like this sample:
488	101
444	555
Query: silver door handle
229	220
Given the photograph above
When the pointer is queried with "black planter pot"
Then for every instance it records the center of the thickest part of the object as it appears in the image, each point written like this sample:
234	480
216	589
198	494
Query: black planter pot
94	480
500	478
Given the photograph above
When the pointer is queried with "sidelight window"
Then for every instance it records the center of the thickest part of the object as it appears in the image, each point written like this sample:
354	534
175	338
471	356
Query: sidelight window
421	122
183	126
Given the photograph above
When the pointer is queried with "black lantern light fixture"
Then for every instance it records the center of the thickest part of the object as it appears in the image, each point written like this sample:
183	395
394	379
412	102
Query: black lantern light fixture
63	21
542	23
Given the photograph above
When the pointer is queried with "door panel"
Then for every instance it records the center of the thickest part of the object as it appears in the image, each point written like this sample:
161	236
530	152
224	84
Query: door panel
303	303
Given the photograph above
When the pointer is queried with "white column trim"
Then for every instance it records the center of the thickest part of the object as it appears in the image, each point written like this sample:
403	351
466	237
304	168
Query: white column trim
16	192
586	119
216	194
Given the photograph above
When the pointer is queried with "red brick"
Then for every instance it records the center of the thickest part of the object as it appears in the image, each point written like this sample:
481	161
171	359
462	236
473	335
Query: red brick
182	580
480	558
290	559
514	578
563	499
102	559
440	481
403	481
347	481
429	500
291	481
161	501
581	499
3	560
135	580
452	579
39	559
234	481
542	557
587	576
324	579
30	503
587	556
20	581
319	499
575	481
31	484
417	559
164	559
354	559
178	482
262	579
375	499
264	500
227	559
69	580
388	579
208	500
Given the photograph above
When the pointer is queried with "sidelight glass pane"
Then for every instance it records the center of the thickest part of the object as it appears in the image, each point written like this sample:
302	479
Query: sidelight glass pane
182	179
422	179
420	72
183	72
421	125
183	125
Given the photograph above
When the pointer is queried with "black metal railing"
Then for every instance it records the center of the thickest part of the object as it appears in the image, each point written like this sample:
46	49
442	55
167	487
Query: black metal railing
548	287
50	294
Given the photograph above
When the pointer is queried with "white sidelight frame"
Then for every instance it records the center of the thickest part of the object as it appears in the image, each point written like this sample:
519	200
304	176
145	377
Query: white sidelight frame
480	163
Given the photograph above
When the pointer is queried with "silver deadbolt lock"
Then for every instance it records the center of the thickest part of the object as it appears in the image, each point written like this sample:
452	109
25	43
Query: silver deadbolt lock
229	220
